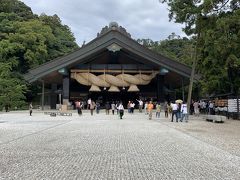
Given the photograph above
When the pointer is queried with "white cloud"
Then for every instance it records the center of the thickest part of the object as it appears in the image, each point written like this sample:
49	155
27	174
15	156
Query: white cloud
141	18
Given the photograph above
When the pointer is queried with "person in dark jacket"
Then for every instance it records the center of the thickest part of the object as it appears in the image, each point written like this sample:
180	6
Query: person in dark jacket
108	107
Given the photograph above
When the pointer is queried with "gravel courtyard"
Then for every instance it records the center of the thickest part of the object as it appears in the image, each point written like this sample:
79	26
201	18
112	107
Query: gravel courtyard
105	147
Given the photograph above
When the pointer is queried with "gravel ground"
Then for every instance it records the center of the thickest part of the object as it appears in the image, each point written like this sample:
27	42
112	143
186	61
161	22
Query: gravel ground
105	147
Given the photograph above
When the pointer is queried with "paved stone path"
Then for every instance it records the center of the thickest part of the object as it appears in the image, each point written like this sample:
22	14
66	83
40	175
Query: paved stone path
105	147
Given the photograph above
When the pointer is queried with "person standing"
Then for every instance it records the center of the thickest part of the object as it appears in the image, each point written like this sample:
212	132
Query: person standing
107	106
89	101
174	111
132	105
113	106
184	112
158	110
121	110
6	107
78	107
191	108
165	108
169	110
140	105
179	113
30	109
97	107
116	105
150	109
145	107
196	108
92	107
129	107
211	108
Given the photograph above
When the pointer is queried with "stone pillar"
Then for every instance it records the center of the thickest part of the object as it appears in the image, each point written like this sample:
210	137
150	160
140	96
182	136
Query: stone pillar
66	92
53	97
160	88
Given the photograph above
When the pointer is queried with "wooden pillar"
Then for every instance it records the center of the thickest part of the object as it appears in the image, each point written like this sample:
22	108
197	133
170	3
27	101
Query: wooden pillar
66	84
43	94
183	96
53	96
160	88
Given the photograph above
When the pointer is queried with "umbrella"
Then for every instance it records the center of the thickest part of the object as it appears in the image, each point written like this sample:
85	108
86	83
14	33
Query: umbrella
179	101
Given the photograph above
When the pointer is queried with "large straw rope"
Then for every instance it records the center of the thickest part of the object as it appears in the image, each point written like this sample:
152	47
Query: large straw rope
94	79
107	80
113	80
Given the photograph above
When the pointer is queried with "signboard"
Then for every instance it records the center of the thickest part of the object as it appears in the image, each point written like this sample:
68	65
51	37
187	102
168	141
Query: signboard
233	105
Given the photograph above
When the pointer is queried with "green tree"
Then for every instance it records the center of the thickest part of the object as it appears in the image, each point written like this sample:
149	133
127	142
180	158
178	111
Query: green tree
12	89
27	41
17	7
174	47
216	24
64	41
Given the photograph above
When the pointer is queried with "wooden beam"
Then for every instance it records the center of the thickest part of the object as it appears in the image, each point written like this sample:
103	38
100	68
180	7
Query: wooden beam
111	71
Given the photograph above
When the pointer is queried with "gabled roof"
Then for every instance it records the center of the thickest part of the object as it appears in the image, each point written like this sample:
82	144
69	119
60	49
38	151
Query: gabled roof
112	35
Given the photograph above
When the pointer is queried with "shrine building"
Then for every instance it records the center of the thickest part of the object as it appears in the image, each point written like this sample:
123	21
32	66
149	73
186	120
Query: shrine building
111	67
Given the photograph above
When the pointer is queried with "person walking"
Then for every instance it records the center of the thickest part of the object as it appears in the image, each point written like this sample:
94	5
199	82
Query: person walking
174	111
211	108
89	101
6	107
169	110
140	105
78	107
145	107
128	107
116	105
196	108
165	109
92	107
107	106
184	112
179	113
132	105
121	110
30	109
113	106
158	110
150	109
97	107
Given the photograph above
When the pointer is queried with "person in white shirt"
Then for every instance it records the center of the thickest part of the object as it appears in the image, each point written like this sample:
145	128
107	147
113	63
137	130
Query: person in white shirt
196	108
89	102
184	112
174	111
113	106
132	105
145	107
211	108
121	110
140	105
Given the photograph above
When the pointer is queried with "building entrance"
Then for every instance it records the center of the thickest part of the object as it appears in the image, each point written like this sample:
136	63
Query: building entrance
122	96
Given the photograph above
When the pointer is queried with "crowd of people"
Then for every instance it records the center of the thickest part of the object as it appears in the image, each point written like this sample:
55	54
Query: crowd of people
176	110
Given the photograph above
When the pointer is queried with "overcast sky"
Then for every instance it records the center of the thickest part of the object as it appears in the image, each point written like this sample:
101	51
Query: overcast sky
141	18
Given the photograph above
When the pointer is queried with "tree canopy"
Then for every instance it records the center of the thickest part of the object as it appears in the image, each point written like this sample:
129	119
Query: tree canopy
27	40
215	23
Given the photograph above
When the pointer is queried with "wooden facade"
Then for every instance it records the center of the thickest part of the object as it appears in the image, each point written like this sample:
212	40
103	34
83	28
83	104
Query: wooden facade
113	52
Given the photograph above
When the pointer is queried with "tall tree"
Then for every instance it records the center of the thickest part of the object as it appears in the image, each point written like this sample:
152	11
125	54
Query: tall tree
64	41
12	88
26	42
217	24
